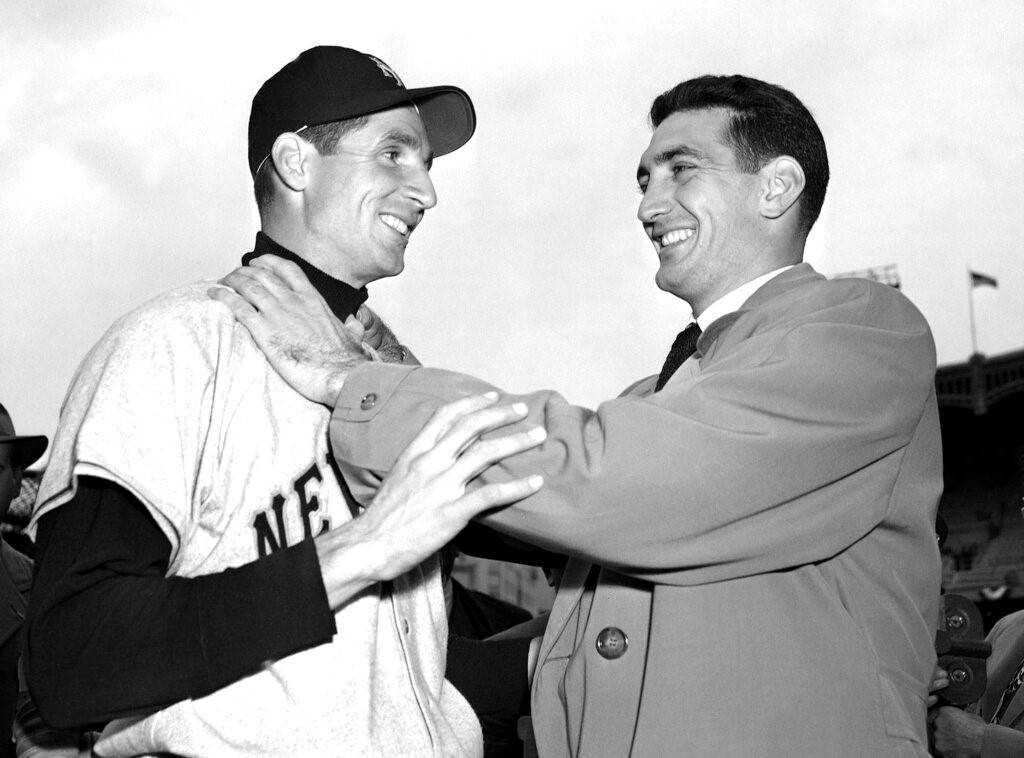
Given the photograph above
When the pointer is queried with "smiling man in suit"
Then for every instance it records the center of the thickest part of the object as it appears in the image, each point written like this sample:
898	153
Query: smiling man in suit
754	569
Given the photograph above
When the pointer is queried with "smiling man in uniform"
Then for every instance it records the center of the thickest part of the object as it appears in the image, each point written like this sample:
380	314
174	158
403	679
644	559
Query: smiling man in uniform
205	583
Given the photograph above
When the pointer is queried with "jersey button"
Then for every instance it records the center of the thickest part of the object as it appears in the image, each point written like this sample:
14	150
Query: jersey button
405	626
612	643
369	400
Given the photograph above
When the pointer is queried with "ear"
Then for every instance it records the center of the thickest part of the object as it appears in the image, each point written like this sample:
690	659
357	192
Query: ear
291	155
784	183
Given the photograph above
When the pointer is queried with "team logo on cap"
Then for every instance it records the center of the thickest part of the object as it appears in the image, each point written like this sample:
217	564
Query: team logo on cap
386	69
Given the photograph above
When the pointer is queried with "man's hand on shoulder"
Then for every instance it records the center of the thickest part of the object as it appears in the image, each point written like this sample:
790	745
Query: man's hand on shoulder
292	325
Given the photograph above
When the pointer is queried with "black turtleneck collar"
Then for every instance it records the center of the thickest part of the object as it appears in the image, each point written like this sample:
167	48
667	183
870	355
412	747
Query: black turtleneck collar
342	299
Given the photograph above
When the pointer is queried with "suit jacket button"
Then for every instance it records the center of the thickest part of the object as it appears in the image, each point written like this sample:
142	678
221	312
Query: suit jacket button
369	400
612	643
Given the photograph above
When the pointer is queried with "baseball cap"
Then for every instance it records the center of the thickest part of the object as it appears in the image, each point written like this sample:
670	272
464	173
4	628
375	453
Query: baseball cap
327	83
27	449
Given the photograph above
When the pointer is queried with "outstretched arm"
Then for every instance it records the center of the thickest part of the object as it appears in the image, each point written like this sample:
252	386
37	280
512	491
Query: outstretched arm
699	458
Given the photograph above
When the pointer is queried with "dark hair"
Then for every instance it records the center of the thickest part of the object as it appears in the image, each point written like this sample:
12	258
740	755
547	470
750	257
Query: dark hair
324	137
768	121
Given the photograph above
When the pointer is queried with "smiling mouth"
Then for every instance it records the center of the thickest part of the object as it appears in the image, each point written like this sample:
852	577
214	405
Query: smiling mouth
396	223
674	237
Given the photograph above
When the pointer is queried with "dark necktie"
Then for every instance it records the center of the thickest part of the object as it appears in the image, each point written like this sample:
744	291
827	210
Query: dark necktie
683	347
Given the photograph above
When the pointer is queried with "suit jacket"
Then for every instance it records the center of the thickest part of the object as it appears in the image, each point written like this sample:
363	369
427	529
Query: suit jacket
1005	738
755	566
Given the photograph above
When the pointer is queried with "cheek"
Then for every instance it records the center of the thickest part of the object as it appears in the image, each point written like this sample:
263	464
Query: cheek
339	198
729	213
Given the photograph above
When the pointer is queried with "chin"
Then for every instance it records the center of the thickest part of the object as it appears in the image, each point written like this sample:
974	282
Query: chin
671	286
392	271
663	281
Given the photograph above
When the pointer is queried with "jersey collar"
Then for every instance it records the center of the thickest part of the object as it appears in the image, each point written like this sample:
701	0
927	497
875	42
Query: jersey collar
342	299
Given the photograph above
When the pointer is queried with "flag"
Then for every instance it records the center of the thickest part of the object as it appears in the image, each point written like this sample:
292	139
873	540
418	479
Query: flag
979	280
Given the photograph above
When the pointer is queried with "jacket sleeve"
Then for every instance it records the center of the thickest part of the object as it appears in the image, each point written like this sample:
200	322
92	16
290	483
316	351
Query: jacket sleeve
717	476
108	633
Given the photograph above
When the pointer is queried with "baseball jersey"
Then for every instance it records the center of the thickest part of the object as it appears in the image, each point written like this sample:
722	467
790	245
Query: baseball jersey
177	405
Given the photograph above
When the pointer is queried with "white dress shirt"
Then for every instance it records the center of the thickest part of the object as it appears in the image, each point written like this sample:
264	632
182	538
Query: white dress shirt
731	301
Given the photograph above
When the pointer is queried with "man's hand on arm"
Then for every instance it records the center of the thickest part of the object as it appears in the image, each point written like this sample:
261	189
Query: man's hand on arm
292	325
425	499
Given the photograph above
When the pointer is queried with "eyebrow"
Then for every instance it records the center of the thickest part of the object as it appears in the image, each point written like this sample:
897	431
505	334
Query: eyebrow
408	139
668	155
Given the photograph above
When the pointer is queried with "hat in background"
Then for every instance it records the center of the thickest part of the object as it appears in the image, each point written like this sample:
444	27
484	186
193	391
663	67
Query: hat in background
27	449
328	84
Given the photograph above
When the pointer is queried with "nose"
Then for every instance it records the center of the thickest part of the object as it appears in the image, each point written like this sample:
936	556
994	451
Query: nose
655	202
421	189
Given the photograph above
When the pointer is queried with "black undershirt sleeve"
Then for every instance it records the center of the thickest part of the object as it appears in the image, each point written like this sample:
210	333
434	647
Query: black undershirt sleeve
109	634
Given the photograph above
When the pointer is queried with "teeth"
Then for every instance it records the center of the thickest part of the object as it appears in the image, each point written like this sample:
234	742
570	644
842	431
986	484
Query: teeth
675	236
395	223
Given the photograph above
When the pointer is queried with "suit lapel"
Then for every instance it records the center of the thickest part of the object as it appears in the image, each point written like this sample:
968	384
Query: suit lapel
567	599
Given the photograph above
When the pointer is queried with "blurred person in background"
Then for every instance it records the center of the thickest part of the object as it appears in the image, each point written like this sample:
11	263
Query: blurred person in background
17	452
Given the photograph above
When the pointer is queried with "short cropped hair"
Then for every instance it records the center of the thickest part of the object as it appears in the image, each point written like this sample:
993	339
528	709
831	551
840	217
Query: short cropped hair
768	121
324	137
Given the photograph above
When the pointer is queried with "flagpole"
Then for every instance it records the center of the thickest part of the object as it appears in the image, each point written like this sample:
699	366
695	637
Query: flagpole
970	300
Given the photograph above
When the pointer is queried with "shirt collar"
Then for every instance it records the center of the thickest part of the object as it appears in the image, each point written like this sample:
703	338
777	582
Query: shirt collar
731	301
341	298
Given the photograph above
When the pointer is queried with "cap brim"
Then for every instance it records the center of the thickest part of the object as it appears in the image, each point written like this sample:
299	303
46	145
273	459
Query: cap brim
27	449
447	113
448	116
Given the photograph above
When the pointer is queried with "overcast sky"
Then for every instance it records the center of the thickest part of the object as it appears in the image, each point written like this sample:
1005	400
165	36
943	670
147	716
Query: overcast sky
123	136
